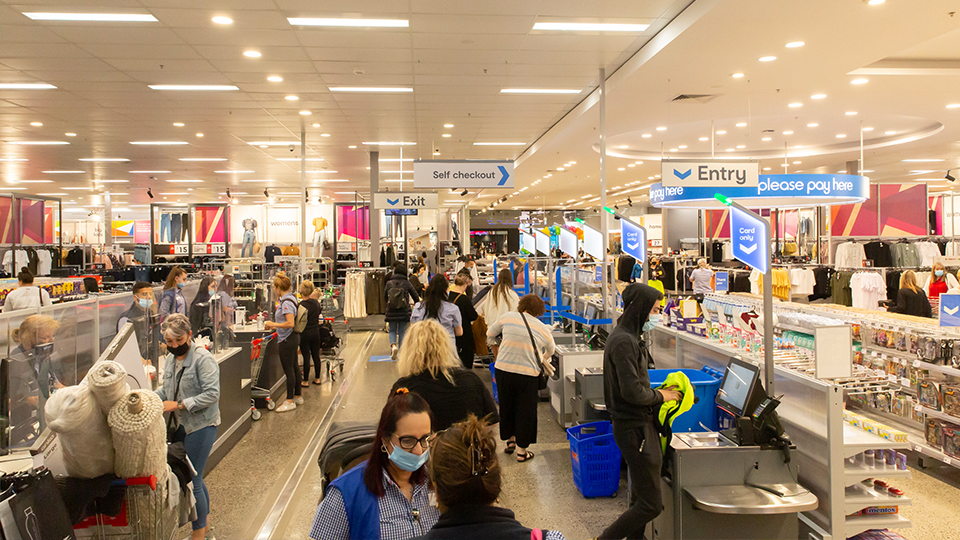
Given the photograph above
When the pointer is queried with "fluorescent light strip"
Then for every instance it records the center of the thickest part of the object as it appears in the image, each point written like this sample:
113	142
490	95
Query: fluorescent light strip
386	89
149	172
194	87
92	17
539	91
396	159
262	180
104	159
590	27
110	182
499	144
203	159
233	172
298	159
13	160
349	192
158	143
391	143
64	172
35	182
395	172
274	143
361	23
37	143
79	188
331	180
185	181
27	86
53	194
175	193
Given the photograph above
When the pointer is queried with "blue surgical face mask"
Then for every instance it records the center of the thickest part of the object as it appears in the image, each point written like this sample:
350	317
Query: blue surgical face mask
652	321
213	292
145	302
939	273
408	461
180	285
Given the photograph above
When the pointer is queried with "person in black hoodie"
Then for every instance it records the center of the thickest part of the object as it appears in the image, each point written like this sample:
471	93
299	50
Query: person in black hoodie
397	292
466	475
633	408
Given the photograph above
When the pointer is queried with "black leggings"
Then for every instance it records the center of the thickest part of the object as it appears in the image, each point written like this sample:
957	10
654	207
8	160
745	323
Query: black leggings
640	447
288	359
518	407
310	348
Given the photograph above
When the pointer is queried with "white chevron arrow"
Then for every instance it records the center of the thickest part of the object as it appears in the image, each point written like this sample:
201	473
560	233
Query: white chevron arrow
748	250
953	311
633	246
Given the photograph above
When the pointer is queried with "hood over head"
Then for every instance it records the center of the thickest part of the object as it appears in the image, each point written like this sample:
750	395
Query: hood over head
638	300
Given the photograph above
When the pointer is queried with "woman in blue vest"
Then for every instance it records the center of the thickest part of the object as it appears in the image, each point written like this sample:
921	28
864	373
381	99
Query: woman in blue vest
388	497
172	300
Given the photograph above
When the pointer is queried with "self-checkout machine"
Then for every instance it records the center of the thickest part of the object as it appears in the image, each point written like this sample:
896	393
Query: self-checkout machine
739	483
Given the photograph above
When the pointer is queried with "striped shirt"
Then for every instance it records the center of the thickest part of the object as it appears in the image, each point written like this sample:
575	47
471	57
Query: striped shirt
516	352
400	518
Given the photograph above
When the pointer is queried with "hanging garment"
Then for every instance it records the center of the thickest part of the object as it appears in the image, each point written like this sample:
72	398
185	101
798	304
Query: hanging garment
849	255
879	253
867	289
821	287
354	292
893	285
840	287
803	281
928	252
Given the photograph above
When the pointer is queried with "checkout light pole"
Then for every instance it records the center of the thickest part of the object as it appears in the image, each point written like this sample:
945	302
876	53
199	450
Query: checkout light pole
750	234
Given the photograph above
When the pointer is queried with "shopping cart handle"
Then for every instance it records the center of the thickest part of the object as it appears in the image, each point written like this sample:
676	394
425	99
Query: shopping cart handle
143	480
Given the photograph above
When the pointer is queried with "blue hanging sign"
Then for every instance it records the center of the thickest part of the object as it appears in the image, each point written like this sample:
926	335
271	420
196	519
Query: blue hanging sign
772	191
633	240
721	282
950	310
750	235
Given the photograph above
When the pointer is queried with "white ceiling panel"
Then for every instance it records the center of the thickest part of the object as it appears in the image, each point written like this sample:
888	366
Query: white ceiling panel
471	24
352	38
469	7
171	67
368	80
127	33
26	34
248	66
235	52
242	19
370	9
469	42
142	51
56	64
359	55
52	50
225	37
472	57
369	68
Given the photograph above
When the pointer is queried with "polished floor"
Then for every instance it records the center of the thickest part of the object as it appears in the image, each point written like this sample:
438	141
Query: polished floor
268	486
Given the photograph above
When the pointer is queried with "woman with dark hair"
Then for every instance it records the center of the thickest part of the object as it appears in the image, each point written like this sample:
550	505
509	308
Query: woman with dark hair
398	292
172	300
460	296
26	296
419	270
435	306
466	474
389	496
227	301
200	307
526	345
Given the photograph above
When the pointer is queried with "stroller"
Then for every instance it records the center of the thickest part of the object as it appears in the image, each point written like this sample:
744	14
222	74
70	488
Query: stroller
348	444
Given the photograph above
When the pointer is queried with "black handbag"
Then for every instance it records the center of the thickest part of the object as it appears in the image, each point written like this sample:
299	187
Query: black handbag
172	424
542	378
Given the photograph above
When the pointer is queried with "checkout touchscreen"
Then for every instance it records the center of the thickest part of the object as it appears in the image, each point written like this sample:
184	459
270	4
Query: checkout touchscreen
737	387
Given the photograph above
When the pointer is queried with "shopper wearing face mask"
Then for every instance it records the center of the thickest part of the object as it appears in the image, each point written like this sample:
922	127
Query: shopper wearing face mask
939	281
191	393
141	315
172	300
632	405
33	377
388	496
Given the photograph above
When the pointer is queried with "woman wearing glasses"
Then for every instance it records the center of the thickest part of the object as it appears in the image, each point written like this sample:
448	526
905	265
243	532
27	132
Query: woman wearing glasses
388	497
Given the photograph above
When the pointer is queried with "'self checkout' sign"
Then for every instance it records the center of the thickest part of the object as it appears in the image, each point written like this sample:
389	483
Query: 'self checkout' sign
634	241
709	173
405	200
751	238
463	174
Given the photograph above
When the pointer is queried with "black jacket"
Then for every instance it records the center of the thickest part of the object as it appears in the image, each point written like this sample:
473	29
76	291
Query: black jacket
626	383
398	315
478	523
912	303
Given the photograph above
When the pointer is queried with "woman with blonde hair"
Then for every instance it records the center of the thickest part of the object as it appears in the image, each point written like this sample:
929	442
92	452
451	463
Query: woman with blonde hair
32	376
429	366
701	278
288	340
939	281
910	297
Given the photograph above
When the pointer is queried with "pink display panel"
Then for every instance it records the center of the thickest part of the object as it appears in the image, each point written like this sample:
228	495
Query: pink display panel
903	209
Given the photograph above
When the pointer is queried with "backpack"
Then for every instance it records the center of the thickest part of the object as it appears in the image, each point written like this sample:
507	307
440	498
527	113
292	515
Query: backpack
300	320
328	339
397	298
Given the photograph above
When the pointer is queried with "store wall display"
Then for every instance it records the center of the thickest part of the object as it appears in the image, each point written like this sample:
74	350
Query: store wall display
122	228
141	231
902	210
718	223
49	222
353	222
935	211
8	220
856	219
210	224
31	225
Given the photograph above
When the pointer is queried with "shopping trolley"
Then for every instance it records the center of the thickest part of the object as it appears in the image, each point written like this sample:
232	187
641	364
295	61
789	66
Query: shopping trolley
330	346
258	351
143	514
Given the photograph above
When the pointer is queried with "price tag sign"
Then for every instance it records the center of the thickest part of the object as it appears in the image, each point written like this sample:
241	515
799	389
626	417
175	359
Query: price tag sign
917	408
179	249
916	364
883	356
948	461
905	382
217	249
892	378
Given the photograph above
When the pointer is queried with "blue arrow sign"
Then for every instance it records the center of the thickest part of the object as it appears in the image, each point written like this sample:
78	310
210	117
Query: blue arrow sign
751	238
682	176
393	201
634	240
503	171
721	281
950	310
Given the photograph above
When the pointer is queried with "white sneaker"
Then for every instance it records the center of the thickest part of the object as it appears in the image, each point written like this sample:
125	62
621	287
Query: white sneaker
287	406
394	350
298	400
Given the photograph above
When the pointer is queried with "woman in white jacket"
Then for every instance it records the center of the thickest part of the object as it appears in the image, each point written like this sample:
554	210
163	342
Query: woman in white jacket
501	299
939	281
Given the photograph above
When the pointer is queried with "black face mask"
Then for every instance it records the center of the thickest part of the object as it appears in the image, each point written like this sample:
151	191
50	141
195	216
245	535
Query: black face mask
179	350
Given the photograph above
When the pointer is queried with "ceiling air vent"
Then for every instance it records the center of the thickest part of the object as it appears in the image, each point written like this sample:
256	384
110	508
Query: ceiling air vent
691	98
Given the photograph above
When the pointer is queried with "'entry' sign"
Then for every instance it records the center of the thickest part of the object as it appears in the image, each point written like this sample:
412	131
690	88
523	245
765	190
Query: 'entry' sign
463	174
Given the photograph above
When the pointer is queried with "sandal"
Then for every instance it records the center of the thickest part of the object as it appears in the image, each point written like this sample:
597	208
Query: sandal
525	457
511	446
317	381
305	384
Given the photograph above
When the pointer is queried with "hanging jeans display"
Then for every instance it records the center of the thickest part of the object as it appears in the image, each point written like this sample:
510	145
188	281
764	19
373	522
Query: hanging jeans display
184	226
249	237
164	228
175	228
319	237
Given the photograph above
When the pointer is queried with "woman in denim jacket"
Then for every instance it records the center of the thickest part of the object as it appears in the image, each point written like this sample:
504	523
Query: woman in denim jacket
191	392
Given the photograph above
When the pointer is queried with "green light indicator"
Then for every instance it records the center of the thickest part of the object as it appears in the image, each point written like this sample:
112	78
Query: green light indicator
610	210
722	198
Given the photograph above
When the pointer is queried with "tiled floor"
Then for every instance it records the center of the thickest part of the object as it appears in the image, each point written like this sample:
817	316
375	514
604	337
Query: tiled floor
541	492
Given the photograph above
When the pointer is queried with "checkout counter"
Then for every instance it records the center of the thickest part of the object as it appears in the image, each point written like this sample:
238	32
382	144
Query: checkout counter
740	483
561	384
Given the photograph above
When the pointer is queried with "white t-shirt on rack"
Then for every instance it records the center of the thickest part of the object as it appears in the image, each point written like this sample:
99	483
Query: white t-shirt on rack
803	281
867	289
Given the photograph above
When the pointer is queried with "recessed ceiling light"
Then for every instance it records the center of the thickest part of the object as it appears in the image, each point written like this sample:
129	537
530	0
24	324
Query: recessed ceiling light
316	125
94	17
741	146
352	146
731	149
386	89
682	146
868	129
203	159
150	172
158	143
447	135
953	106
818	96
590	27
875	2
70	134
105	159
64	172
448	126
767	58
889	132
788	132
622	169
704	138
324	134
494	143
292	98
252	54
36	124
812	125
766	168
220	19
194	87
737	75
539	91
646	135
624	146
796	162
632	165
860	81
199	134
841	135
360	23
436	153
27	86
722	132
662	128
37	143
558	168
795	105
305	113
795	44
741	124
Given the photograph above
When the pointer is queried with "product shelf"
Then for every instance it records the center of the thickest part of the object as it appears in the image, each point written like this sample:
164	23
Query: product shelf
856	440
854	474
913	360
858	497
918	442
858	524
940	415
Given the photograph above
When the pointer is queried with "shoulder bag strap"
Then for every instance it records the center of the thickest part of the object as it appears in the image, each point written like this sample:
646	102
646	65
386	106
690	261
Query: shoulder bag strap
536	349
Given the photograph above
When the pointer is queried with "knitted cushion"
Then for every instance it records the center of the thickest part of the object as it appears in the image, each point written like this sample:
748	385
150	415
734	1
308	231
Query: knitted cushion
139	436
108	384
